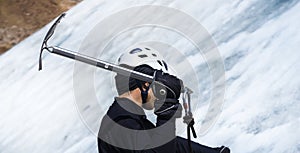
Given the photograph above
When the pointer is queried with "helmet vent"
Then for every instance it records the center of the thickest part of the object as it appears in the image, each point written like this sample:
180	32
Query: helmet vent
147	48
135	51
143	56
154	55
166	66
159	62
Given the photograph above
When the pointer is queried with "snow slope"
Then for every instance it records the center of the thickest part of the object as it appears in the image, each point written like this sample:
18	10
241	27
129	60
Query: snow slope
257	39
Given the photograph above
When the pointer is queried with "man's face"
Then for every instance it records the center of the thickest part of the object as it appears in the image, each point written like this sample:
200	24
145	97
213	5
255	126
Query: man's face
149	105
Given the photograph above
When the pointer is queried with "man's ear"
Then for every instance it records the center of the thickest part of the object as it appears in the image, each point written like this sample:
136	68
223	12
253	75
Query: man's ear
145	85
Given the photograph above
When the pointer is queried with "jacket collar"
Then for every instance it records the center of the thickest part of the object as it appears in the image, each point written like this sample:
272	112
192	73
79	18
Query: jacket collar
129	106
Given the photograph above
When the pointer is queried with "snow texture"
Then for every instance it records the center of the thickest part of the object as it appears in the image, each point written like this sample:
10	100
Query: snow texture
257	39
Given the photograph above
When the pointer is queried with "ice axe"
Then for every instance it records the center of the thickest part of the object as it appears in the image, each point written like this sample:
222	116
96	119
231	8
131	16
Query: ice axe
86	59
188	118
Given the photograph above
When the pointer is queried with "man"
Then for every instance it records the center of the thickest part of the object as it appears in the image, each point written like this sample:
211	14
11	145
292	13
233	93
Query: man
125	128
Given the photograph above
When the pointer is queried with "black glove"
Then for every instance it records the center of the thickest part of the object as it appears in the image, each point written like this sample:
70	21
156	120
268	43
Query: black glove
167	90
167	109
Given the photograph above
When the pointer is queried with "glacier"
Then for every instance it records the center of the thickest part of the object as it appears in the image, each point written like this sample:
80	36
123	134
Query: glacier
257	40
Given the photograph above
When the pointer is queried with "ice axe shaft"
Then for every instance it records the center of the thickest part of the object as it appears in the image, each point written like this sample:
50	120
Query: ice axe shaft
101	64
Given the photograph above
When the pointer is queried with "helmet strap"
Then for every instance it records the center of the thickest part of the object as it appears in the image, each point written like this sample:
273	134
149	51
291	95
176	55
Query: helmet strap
144	93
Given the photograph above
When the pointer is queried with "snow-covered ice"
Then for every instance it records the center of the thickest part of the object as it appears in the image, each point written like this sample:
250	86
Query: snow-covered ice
257	39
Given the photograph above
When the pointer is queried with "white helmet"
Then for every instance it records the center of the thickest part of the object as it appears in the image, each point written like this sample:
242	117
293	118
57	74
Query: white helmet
139	54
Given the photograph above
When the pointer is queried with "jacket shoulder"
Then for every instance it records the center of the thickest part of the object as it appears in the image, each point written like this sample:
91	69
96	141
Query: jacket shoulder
130	122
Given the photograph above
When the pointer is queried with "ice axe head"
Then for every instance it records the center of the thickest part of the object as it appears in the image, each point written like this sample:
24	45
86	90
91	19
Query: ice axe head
47	37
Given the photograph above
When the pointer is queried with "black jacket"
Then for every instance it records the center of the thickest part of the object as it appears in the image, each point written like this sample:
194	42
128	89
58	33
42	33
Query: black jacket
125	129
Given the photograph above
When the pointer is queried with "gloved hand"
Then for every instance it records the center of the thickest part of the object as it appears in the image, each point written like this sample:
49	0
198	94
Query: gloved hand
167	89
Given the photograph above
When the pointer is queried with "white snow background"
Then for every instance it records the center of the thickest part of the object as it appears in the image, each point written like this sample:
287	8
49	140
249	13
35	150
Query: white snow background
257	39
